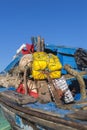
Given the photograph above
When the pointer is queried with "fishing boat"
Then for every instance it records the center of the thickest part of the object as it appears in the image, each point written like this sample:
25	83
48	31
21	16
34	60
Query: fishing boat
26	112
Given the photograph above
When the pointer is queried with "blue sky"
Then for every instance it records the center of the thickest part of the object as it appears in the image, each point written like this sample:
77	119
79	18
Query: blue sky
61	22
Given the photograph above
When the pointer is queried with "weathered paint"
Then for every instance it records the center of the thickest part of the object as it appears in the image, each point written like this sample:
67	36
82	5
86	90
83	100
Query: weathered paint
4	124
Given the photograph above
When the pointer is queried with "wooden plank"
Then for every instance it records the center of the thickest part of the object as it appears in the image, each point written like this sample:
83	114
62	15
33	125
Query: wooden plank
81	115
10	115
39	44
17	97
42	45
4	124
45	115
53	90
39	121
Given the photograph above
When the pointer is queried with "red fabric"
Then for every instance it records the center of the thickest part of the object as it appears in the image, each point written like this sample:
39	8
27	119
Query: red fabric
33	94
29	49
21	89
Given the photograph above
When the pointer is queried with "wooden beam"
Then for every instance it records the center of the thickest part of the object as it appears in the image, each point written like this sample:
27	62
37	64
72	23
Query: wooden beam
44	115
37	120
17	97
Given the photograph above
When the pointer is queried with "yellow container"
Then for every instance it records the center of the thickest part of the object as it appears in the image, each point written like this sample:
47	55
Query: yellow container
40	56
54	63
38	75
40	61
55	74
41	75
39	65
43	61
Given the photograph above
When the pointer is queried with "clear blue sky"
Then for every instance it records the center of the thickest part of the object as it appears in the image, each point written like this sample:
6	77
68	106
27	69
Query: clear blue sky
61	22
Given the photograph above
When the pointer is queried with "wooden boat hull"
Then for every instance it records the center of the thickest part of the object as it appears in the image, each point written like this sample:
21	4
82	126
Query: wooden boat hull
4	124
23	116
